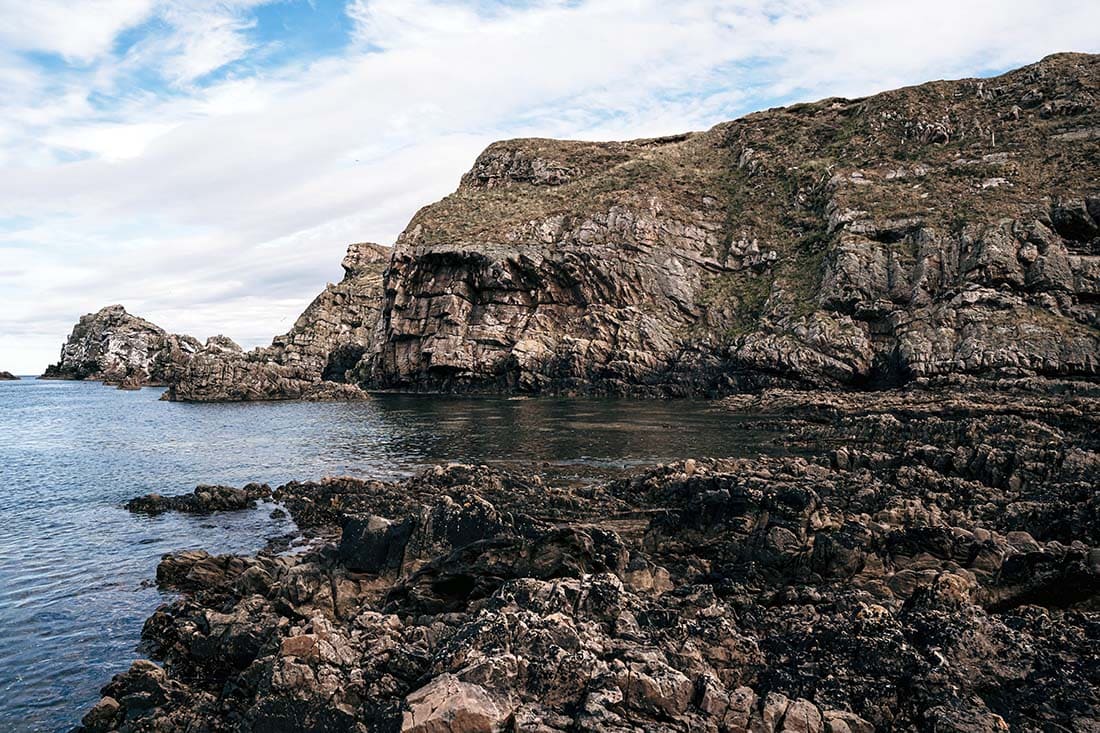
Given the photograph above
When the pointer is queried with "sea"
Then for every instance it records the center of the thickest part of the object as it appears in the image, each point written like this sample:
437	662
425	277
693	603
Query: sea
76	568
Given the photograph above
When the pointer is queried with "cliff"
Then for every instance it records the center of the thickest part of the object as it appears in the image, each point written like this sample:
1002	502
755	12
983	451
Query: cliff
115	347
920	234
309	361
939	233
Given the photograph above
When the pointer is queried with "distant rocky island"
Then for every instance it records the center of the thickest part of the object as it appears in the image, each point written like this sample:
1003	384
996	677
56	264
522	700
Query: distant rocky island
117	348
945	231
7	376
905	288
308	362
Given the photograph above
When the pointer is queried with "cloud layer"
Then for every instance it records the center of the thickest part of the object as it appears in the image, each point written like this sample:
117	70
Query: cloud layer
205	162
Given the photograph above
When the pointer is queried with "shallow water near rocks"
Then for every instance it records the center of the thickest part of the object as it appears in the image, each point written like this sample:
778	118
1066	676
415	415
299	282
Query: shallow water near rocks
75	567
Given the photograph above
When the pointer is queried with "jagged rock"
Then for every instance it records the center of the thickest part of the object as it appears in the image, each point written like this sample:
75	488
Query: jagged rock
310	360
203	500
929	560
449	705
940	230
117	348
909	235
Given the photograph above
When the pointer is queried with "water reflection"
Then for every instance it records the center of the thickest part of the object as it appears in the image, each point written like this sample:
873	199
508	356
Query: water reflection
74	564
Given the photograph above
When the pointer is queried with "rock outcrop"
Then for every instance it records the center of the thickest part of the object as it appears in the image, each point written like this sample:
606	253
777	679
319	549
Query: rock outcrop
7	377
309	361
205	499
945	229
921	234
117	348
929	563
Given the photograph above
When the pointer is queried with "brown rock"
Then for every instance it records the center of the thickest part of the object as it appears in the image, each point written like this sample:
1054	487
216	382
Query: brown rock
448	705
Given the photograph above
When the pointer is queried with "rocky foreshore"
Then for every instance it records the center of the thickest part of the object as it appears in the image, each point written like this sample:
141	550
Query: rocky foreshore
921	561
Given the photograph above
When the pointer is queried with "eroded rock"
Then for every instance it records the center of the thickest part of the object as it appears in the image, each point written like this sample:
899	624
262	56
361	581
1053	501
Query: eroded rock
929	561
309	361
117	348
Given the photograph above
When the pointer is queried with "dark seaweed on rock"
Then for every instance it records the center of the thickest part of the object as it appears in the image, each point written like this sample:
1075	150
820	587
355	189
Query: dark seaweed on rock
204	500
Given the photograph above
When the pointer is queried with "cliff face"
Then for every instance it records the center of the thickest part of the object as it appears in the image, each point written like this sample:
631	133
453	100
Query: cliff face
113	346
942	230
310	360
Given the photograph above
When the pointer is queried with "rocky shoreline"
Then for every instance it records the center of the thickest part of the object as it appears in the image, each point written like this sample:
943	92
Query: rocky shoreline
929	561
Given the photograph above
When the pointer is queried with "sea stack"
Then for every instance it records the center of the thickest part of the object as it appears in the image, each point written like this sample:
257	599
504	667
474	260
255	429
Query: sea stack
116	347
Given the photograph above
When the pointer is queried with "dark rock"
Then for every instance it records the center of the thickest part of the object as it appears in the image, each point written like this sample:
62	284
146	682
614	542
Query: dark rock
7	376
904	575
203	500
374	544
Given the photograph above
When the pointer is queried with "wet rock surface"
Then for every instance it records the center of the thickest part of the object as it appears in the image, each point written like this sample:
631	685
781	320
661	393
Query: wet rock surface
930	561
204	500
309	361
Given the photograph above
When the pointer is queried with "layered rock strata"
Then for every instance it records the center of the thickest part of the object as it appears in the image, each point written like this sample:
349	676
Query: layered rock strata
310	360
115	347
944	229
928	564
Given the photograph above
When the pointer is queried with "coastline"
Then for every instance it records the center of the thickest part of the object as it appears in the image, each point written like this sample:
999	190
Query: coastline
699	595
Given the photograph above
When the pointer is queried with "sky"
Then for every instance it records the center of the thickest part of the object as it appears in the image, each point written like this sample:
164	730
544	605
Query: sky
206	162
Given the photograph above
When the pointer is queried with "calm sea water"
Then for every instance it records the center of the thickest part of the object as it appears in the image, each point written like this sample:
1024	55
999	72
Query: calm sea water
75	566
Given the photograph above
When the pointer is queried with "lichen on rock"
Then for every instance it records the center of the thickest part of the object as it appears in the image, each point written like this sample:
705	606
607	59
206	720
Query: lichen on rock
118	348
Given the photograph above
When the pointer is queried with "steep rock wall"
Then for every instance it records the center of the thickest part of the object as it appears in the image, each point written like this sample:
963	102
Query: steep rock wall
309	361
921	234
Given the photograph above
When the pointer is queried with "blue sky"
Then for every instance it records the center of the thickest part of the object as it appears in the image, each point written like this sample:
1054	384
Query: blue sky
205	162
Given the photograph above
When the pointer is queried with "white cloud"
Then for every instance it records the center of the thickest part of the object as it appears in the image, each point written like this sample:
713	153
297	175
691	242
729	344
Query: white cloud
205	35
224	206
79	31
